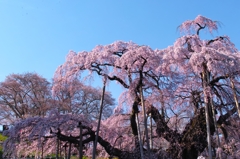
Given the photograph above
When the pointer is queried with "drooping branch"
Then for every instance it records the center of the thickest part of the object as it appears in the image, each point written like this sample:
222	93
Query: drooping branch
107	146
96	67
200	28
224	117
71	139
216	39
217	79
120	53
189	46
119	80
115	151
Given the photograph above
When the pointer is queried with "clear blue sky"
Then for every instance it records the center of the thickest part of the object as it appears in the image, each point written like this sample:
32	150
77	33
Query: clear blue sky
36	35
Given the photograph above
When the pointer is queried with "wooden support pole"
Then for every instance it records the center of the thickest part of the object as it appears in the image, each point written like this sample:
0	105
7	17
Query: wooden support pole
145	122
80	141
99	120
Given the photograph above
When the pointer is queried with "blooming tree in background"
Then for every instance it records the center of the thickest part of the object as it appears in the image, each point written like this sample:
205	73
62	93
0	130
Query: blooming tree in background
76	98
24	95
180	85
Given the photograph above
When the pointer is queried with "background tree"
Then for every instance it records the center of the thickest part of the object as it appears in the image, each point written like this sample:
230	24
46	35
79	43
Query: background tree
24	95
77	98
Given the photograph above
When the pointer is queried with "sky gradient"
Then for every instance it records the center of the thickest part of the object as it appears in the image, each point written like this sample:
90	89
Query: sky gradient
36	35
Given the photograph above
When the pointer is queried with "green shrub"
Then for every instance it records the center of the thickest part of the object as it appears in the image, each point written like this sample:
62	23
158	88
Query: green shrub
2	137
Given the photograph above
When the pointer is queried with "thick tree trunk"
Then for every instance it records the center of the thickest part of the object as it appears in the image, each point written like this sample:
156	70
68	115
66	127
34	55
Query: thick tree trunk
190	143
